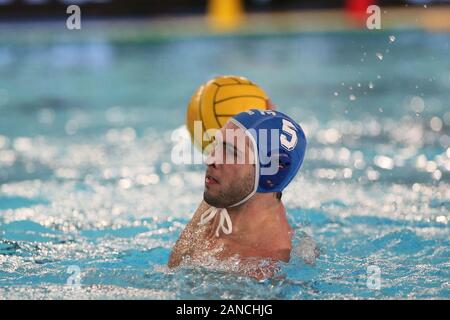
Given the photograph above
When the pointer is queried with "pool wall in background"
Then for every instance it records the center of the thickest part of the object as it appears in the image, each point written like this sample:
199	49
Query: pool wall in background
11	9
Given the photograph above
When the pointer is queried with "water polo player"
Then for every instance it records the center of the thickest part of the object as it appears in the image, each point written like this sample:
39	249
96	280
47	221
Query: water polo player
242	216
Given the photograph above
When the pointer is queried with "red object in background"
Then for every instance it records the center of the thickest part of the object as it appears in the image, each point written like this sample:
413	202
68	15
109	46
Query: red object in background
357	9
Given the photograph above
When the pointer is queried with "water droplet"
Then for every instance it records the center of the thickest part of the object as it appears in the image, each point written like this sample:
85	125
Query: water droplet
165	167
370	85
379	56
336	94
437	175
391	39
352	97
436	124
380	109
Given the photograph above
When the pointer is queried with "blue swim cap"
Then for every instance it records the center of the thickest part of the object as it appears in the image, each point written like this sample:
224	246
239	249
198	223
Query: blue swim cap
279	144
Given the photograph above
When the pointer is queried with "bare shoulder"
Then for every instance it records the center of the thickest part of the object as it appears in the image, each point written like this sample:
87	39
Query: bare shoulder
278	241
279	247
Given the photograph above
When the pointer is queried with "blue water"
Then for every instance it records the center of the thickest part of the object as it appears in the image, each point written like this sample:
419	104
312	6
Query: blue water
87	180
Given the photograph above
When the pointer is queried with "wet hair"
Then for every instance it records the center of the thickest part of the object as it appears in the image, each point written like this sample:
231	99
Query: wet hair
278	195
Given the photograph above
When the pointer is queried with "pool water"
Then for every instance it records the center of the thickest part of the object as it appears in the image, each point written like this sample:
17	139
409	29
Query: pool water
91	203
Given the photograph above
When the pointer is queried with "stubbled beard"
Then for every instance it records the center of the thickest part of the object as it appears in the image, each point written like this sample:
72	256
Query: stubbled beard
232	195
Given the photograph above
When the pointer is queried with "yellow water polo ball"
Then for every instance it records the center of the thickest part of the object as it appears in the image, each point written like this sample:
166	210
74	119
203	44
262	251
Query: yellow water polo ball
219	99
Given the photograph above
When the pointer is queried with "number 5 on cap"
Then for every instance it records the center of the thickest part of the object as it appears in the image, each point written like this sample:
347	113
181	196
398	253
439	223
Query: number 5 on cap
288	128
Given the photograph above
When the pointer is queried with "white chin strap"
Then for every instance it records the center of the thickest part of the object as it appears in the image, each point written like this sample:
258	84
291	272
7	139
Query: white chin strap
224	217
211	212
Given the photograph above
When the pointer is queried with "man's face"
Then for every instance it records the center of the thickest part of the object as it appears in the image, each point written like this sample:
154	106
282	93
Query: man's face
230	174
